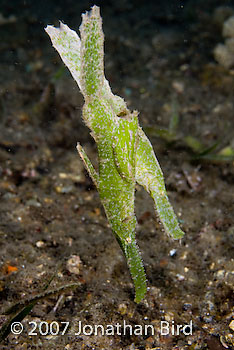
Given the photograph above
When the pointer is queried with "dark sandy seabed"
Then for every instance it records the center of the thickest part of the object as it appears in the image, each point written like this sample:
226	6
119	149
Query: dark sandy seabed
159	58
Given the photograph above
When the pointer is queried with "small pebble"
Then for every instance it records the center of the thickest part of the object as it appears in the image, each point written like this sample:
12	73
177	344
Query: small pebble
231	325
40	244
74	264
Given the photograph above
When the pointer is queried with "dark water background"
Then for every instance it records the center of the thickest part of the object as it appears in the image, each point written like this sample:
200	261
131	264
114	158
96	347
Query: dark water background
159	57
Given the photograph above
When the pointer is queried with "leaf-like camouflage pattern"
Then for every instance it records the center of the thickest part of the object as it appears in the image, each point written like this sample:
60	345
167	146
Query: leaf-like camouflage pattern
125	154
